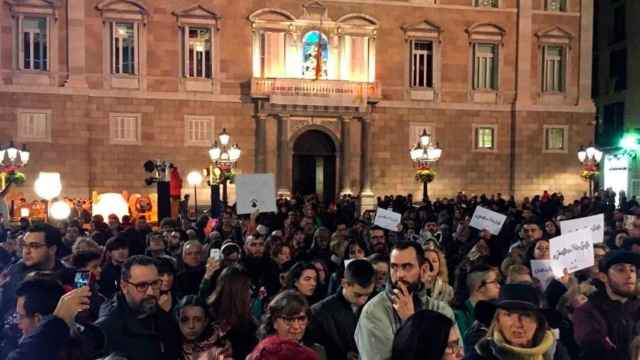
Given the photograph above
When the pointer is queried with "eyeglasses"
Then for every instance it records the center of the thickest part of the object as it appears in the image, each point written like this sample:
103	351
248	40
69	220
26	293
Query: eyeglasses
453	347
290	320
486	283
33	246
144	286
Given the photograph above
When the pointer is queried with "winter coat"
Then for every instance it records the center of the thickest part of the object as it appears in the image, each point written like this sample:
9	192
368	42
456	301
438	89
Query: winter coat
155	337
496	348
604	328
332	326
379	322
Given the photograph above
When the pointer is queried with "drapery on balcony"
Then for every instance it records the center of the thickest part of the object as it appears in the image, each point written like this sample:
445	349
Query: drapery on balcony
316	92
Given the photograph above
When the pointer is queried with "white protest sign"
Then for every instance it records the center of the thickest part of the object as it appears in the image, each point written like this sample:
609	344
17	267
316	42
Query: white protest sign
594	223
628	221
255	192
572	251
387	219
543	270
485	219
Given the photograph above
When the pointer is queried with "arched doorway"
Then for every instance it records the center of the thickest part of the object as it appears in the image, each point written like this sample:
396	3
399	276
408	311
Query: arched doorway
314	165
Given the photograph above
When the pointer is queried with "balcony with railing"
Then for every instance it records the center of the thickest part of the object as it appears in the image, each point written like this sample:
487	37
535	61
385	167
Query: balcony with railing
290	91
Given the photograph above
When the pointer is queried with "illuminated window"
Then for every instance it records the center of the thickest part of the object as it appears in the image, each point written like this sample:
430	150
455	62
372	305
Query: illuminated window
199	52
123	48
315	48
553	69
34	45
486	3
484	137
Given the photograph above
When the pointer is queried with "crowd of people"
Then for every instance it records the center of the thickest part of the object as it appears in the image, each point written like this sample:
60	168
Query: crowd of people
322	282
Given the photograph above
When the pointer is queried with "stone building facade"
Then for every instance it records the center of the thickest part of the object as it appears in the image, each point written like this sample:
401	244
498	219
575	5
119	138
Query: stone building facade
95	88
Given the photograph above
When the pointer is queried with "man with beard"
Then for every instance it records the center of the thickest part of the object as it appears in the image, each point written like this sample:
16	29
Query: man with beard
604	327
262	270
405	294
131	321
378	241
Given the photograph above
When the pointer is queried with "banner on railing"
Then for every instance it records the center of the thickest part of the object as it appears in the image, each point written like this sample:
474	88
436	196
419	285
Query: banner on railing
315	92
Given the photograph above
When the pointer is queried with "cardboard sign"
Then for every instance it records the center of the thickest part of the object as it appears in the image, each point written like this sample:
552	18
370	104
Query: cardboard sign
255	192
572	251
544	270
485	219
628	221
594	223
387	219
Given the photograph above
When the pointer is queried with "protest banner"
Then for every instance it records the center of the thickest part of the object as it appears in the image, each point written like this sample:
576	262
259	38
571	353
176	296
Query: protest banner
543	270
387	219
485	219
255	192
594	223
572	251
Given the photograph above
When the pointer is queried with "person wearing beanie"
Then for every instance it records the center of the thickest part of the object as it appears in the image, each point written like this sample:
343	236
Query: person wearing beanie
519	329
427	335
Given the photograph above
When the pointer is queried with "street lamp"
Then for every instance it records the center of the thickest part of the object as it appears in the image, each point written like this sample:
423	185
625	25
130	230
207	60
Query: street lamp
48	186
194	179
590	158
424	154
224	158
12	159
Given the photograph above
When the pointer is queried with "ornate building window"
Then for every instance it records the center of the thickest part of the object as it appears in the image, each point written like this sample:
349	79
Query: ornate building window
35	34
484	137
554	45
423	63
485	3
124	45
556	5
485	41
556	138
553	69
485	69
315	47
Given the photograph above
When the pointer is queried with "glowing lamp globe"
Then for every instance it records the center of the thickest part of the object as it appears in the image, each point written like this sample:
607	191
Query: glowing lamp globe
194	178
48	185
60	210
111	203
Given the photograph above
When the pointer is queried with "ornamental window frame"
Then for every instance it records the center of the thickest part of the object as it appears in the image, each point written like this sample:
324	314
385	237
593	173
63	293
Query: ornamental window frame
554	37
199	17
418	32
485	34
20	10
115	12
201	121
27	128
117	122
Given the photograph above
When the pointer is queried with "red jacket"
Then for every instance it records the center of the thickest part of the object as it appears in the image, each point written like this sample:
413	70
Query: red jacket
175	183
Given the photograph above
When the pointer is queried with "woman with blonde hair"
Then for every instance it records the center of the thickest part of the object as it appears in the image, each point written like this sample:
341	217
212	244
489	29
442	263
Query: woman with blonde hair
437	281
519	329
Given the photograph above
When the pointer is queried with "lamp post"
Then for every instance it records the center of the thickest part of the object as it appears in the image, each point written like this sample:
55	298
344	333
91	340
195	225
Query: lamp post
424	154
194	179
590	158
224	158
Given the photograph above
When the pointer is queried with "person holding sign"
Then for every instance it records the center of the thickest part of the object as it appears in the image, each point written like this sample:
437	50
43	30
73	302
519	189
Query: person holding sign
604	327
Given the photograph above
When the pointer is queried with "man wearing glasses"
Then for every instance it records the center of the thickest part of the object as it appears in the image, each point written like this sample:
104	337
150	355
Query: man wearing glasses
132	322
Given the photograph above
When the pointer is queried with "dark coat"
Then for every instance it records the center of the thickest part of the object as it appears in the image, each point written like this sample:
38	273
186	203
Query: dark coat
332	325
188	280
52	340
604	328
109	280
133	337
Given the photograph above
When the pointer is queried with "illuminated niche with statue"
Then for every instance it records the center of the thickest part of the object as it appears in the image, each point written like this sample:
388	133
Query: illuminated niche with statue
313	45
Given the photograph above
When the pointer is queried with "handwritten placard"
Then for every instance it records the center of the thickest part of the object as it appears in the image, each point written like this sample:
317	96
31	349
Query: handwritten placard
572	251
594	223
255	192
628	221
544	270
485	219
387	219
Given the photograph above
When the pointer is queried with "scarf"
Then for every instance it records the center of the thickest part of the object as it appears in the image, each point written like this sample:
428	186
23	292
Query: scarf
519	353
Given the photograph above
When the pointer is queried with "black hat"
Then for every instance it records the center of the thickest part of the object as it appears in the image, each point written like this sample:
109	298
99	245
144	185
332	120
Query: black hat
619	257
518	297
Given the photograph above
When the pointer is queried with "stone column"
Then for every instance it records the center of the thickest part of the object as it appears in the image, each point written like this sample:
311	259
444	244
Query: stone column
367	200
76	44
284	178
523	66
345	156
586	49
261	143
